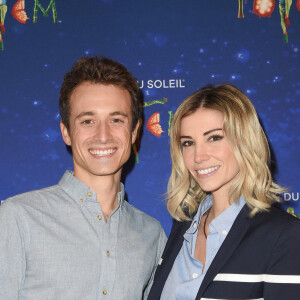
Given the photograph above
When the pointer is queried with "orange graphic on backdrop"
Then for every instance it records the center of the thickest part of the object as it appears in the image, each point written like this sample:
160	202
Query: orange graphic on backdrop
18	11
153	124
263	8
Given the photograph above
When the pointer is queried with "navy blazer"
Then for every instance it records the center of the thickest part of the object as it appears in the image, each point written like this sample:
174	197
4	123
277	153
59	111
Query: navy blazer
259	259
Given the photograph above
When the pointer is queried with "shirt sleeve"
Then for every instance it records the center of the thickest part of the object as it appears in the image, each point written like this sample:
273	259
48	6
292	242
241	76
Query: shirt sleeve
12	253
283	277
160	248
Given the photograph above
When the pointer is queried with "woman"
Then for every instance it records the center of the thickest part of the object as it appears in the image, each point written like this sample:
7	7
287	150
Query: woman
228	240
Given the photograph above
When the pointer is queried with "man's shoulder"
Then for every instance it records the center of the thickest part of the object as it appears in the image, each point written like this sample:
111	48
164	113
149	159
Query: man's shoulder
40	195
31	197
145	227
139	217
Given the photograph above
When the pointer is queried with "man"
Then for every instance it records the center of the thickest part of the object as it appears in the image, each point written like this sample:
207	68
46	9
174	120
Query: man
80	239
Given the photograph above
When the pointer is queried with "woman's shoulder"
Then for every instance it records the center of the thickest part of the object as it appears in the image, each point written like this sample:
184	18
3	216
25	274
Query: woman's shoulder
283	216
279	220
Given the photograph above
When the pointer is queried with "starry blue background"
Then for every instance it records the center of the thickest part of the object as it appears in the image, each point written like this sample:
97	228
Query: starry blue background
196	42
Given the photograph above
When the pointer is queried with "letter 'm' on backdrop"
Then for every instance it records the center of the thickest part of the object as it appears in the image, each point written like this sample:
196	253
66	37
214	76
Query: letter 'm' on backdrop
173	48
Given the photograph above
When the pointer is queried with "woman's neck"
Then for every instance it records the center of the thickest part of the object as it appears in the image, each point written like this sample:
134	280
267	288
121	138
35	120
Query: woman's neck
219	204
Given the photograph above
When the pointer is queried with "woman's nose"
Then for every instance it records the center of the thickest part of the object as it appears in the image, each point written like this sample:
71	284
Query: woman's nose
201	154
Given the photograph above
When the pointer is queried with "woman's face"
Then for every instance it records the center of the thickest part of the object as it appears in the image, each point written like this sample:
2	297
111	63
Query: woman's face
206	152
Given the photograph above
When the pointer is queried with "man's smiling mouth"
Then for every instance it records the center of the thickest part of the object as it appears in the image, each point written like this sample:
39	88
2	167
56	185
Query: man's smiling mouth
100	153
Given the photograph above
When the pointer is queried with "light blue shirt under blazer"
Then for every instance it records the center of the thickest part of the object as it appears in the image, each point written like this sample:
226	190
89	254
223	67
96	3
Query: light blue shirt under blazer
55	244
187	272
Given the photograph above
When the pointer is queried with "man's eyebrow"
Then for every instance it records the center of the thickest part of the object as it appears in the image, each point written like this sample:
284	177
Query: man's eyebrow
85	113
212	130
91	113
119	113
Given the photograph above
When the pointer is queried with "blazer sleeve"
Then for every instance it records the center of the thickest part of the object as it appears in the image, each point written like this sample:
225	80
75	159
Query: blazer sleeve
283	277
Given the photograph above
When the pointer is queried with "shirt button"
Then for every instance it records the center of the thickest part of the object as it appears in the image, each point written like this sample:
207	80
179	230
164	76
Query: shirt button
195	275
107	253
224	232
99	217
104	292
89	194
80	200
195	225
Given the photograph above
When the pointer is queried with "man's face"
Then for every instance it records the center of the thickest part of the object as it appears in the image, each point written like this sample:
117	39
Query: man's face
100	132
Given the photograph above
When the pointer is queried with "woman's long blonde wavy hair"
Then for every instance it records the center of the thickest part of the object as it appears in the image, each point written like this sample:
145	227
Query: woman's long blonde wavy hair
248	142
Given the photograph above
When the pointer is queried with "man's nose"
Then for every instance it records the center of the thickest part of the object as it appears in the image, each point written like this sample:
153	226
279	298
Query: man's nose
103	132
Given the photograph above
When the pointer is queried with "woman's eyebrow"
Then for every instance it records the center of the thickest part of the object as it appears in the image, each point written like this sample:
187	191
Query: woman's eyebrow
205	133
185	137
212	130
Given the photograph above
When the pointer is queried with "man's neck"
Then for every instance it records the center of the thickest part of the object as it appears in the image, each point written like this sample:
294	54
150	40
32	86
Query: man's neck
106	189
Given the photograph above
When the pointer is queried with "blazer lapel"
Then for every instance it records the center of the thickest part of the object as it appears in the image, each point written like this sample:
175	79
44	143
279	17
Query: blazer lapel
235	235
173	247
169	255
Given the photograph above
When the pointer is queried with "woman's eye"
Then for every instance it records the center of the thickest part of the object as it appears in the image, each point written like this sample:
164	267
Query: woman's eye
215	138
187	143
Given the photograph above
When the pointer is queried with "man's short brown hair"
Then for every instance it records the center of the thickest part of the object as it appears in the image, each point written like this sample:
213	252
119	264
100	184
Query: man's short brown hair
99	70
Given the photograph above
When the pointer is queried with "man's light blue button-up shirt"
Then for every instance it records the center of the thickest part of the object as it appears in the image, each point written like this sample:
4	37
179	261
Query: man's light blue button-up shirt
55	244
187	272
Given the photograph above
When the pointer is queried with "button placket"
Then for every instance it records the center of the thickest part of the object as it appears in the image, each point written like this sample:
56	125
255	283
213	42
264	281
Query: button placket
109	240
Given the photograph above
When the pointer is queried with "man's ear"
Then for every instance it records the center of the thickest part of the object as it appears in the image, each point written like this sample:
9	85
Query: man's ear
135	132
65	133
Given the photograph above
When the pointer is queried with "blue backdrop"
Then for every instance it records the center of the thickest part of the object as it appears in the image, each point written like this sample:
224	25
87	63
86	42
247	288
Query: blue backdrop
173	48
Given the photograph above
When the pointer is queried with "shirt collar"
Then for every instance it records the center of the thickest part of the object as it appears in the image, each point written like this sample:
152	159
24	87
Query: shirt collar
221	223
80	192
202	209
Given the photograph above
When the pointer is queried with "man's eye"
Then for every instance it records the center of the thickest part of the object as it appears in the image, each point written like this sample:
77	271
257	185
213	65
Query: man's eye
187	143
215	137
117	121
86	122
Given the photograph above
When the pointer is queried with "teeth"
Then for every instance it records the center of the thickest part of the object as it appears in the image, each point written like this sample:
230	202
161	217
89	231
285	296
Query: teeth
102	152
206	171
